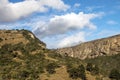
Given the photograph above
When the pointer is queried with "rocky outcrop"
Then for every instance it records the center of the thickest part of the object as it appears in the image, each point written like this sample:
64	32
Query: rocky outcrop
92	49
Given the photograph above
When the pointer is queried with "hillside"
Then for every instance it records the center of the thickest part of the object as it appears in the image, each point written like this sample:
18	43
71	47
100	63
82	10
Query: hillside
24	57
101	47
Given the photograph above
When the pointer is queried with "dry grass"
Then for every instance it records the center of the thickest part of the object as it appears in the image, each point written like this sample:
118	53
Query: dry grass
61	74
13	37
89	76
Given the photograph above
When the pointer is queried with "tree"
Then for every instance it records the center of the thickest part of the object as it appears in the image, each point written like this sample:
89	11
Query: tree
114	74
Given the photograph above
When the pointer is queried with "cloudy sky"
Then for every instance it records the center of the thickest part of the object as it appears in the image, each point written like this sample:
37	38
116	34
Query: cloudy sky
62	23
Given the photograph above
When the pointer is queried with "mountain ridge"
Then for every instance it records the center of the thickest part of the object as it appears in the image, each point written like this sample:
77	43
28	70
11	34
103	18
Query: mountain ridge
94	48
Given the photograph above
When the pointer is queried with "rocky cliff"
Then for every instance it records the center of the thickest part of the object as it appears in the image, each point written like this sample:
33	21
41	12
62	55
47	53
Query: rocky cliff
92	49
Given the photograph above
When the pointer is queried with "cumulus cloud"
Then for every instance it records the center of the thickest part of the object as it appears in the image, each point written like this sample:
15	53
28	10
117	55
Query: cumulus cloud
72	40
56	32
14	11
64	23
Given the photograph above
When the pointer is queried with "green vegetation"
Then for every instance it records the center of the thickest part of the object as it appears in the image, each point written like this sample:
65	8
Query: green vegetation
17	62
26	65
14	65
94	69
114	74
78	72
105	63
51	67
89	67
29	61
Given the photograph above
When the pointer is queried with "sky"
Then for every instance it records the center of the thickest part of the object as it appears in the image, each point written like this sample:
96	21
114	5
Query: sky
62	23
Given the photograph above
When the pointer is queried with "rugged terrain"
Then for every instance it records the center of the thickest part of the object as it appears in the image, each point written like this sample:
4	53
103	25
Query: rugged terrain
101	47
24	57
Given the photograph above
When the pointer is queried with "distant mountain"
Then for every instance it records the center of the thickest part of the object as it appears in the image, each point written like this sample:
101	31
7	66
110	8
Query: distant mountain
101	47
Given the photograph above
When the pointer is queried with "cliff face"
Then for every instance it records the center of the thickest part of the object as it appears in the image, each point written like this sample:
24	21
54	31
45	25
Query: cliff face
92	49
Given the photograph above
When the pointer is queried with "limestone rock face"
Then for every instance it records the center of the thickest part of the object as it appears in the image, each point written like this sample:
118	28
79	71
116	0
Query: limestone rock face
92	49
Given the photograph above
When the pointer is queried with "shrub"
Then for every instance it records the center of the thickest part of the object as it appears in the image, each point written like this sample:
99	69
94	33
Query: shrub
51	67
73	73
81	72
89	67
24	74
78	72
95	70
114	74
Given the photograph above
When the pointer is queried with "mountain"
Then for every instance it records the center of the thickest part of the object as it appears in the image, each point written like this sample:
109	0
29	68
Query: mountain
24	57
101	47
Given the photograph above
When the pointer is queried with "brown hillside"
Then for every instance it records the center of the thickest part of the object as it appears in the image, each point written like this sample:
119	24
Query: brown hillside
17	36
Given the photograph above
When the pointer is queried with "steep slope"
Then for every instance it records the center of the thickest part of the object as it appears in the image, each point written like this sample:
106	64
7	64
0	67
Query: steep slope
92	49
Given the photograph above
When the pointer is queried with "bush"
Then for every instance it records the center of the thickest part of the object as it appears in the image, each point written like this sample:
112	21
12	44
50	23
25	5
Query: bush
78	72
73	73
81	72
24	74
51	67
89	67
94	69
114	74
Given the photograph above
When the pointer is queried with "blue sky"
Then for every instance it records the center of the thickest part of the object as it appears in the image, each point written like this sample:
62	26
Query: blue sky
62	23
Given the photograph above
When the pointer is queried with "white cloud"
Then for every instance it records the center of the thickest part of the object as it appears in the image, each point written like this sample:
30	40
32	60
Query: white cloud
56	4
77	5
14	11
56	31
92	8
111	22
65	23
72	40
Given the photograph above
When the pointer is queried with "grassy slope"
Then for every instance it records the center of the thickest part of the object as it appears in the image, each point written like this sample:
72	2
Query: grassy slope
106	63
